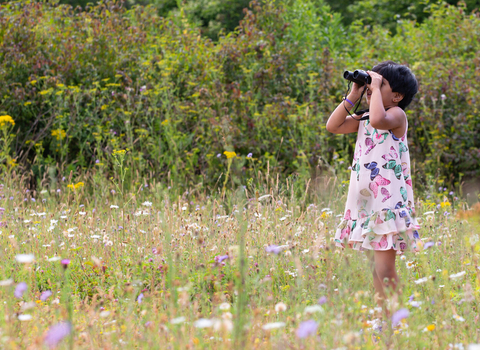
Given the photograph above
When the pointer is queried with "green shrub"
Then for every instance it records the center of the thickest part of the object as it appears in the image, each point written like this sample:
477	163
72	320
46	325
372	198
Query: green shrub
82	84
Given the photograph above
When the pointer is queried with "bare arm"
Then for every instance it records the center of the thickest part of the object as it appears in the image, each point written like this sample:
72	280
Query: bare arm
394	119
340	122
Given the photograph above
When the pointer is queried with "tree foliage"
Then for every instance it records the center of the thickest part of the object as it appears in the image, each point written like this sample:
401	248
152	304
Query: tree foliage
80	84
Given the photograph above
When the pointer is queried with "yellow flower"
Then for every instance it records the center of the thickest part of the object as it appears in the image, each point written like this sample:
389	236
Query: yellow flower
77	185
431	327
4	119
13	163
44	92
59	134
445	204
230	154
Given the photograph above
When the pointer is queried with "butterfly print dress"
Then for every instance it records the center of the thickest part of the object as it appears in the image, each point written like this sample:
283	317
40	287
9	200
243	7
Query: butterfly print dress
379	214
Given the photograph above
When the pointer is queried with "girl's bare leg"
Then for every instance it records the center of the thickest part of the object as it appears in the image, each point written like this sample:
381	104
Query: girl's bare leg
385	278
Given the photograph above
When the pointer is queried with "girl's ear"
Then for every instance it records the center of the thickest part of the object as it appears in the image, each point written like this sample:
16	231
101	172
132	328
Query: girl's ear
397	97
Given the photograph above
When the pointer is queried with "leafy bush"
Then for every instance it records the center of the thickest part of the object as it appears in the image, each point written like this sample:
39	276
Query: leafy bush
82	84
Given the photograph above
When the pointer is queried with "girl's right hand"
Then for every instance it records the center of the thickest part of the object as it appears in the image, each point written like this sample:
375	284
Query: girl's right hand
356	92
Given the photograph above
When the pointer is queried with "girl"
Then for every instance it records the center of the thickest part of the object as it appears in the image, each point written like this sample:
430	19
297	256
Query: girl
379	213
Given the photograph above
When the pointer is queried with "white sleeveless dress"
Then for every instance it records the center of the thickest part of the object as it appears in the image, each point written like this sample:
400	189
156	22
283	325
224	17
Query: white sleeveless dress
379	213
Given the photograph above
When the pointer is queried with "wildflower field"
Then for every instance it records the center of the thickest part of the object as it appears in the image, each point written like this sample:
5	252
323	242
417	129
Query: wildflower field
95	267
160	190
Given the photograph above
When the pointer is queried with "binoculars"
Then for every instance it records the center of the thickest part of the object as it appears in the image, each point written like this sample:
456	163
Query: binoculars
358	76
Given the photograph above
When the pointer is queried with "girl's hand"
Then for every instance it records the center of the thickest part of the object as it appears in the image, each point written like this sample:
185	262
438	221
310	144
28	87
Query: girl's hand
377	80
356	92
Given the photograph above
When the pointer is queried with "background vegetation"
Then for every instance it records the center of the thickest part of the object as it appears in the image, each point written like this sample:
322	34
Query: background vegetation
156	177
82	83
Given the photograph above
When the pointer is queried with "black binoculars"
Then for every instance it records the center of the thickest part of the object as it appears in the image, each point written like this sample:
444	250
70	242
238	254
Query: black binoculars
358	76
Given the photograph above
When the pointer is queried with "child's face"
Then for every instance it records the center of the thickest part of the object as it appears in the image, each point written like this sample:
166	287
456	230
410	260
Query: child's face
389	98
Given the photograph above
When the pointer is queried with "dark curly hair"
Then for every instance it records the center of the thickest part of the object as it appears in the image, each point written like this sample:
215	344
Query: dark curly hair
401	80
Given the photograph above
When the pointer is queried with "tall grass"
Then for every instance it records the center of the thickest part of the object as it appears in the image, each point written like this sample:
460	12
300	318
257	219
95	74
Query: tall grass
190	270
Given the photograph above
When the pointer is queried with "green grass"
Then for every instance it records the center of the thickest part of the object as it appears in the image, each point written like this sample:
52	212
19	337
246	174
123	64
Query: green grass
162	245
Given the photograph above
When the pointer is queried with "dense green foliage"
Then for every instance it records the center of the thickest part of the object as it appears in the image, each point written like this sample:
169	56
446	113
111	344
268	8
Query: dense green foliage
81	84
389	14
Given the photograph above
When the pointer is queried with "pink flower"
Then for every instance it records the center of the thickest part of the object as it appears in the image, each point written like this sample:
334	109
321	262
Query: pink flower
65	263
220	258
20	289
398	316
56	333
45	295
306	329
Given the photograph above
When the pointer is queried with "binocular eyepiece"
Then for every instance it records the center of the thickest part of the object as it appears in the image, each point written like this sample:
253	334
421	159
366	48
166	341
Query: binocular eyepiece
358	76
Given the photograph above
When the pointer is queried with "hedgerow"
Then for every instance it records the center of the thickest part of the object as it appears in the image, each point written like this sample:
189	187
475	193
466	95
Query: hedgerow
81	84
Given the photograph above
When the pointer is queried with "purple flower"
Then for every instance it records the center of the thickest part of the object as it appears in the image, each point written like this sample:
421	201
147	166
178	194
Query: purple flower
428	245
275	249
306	329
322	300
403	245
451	193
33	199
446	213
11	198
220	258
97	161
219	155
56	333
65	263
411	297
249	155
20	289
140	298
398	316
58	191
45	295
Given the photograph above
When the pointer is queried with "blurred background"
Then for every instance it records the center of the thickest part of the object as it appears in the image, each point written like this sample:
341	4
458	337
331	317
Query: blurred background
178	83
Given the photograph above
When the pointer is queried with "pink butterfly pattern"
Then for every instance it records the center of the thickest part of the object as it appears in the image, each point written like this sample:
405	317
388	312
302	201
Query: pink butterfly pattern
378	181
370	145
385	193
391	155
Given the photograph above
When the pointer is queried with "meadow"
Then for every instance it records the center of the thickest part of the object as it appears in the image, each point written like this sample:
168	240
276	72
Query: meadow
162	190
88	266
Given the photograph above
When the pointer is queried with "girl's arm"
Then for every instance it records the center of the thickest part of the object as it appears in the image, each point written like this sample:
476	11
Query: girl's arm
394	119
340	122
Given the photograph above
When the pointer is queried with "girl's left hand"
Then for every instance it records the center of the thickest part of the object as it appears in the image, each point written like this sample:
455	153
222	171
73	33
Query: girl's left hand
377	80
